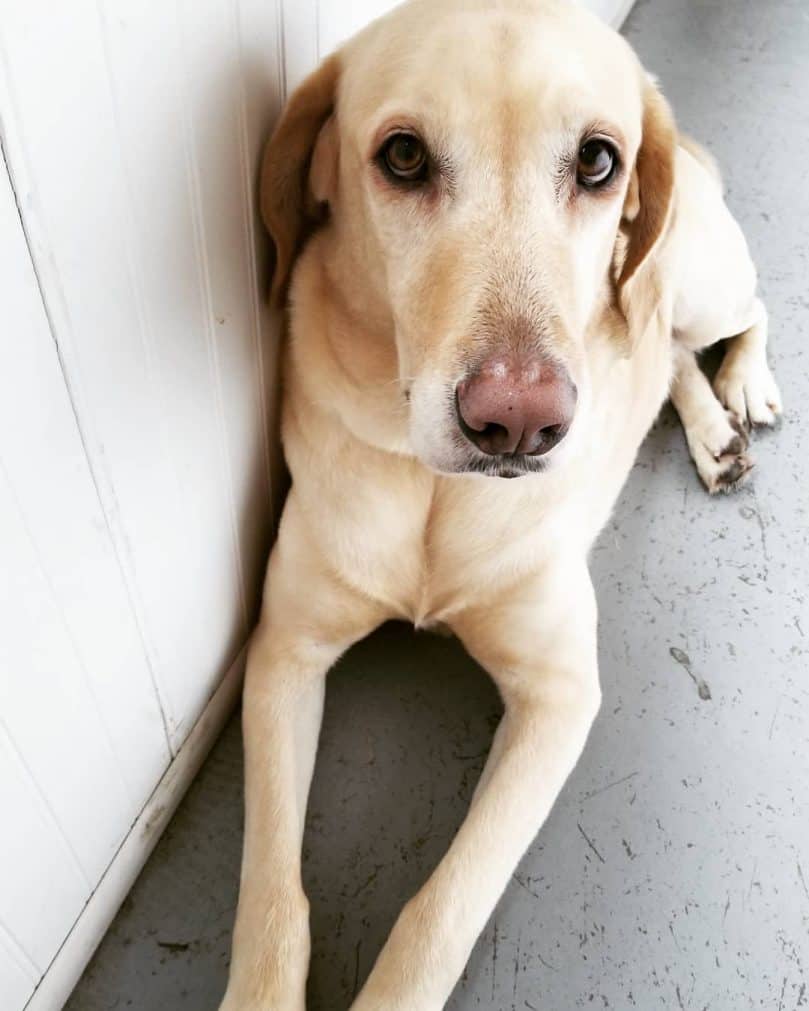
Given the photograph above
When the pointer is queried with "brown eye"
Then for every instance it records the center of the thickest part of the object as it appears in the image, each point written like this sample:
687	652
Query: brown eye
404	157
597	163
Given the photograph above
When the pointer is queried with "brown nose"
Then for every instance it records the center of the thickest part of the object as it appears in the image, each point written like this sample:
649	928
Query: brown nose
516	404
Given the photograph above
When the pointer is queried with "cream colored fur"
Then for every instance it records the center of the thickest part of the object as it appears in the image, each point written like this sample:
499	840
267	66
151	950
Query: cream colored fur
393	297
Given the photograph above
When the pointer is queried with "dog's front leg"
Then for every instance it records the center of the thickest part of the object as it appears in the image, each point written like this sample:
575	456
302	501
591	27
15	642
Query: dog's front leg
539	644
309	617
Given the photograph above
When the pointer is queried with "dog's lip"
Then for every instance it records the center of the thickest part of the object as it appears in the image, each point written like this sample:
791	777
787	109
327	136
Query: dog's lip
507	470
506	467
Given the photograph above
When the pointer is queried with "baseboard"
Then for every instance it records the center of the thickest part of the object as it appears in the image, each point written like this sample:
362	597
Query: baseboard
64	971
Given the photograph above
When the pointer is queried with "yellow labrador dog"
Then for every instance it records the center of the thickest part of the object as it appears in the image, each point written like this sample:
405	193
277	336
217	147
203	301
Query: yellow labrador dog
498	258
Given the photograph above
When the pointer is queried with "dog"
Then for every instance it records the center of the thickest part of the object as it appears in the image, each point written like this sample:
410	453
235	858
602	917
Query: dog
498	258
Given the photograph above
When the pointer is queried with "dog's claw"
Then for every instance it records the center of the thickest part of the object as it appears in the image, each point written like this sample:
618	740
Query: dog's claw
733	469
720	453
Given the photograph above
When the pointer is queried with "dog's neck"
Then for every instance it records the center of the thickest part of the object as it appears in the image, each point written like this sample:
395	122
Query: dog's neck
344	356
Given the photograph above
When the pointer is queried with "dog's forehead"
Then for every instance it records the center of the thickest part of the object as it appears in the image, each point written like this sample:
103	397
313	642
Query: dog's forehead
463	63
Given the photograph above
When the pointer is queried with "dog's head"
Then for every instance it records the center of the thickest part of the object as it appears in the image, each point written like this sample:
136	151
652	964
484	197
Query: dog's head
490	174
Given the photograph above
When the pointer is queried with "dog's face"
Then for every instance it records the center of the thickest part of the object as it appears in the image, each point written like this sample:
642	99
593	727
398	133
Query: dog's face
477	164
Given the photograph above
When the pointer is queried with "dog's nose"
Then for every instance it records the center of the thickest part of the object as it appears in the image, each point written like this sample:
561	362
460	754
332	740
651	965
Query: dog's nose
516	404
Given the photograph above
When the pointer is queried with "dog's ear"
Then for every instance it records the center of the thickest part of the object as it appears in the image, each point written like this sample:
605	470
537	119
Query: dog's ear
298	170
648	201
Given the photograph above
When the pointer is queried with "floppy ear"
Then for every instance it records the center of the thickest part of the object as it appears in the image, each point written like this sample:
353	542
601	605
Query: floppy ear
649	197
298	169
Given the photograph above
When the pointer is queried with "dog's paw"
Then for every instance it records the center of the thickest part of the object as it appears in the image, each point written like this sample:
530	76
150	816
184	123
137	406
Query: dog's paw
719	450
746	387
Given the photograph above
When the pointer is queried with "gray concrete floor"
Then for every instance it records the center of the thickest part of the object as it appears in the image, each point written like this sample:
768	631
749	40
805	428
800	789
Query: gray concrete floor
674	870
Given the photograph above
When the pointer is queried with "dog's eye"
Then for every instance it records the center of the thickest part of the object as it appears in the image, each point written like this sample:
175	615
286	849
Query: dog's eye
404	157
597	163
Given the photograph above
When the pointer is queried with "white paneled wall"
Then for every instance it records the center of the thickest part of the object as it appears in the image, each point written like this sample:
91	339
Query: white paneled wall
82	742
128	137
139	467
137	453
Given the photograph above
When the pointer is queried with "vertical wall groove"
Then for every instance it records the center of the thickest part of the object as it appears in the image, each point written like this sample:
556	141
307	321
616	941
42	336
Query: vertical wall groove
145	328
203	266
19	954
68	631
19	760
56	311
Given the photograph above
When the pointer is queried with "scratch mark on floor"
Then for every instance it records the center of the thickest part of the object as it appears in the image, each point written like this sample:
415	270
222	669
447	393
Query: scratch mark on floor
775	716
546	963
590	843
516	970
494	961
803	879
609	786
762	527
522	884
174	946
752	881
365	884
356	969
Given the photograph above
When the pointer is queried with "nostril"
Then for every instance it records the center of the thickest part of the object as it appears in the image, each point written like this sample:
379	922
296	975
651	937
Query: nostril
489	436
491	430
546	438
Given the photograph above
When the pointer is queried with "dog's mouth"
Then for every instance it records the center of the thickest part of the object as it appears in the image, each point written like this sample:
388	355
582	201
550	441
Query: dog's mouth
505	465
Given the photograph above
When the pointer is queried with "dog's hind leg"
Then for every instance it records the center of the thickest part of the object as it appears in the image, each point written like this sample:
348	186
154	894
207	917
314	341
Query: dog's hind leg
539	644
744	382
716	439
308	618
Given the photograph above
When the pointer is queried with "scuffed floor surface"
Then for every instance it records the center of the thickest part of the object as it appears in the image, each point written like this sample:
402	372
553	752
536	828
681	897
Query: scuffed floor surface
674	870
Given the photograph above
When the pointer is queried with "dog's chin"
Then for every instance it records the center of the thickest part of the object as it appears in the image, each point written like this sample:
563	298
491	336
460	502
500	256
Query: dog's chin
499	467
504	466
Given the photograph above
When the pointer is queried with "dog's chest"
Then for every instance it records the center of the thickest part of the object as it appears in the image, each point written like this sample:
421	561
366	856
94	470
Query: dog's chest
431	547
